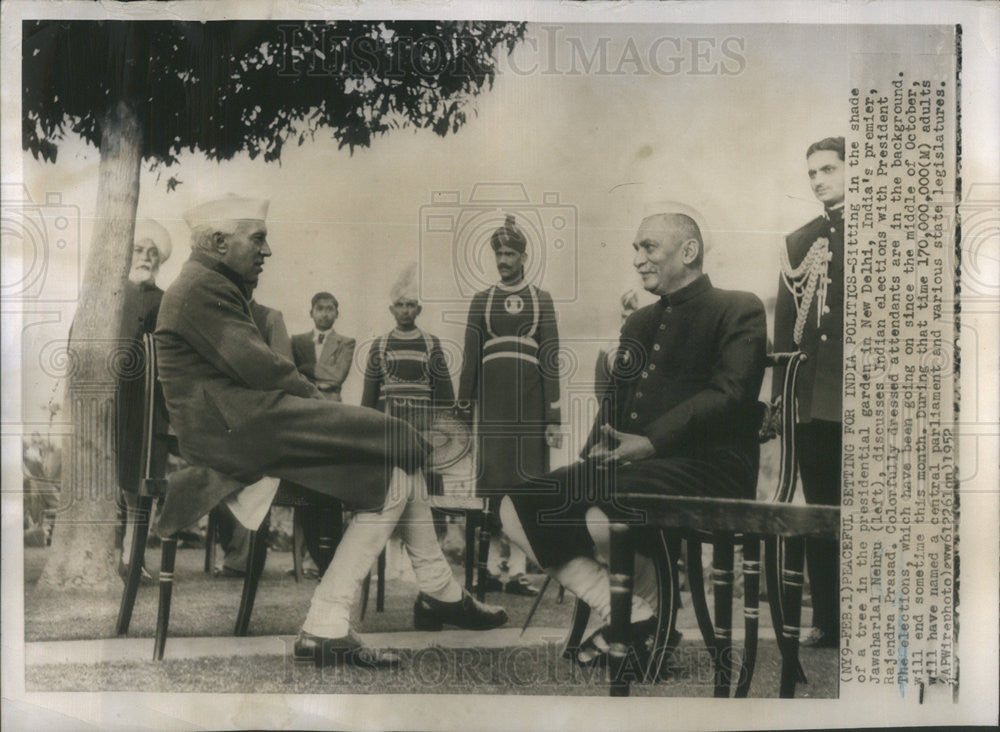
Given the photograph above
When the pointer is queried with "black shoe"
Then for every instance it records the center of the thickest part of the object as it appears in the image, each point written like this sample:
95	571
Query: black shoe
229	572
345	651
520	586
643	640
818	638
492	583
467	613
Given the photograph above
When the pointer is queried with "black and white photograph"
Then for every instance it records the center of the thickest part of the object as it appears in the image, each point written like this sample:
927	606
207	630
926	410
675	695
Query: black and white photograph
446	367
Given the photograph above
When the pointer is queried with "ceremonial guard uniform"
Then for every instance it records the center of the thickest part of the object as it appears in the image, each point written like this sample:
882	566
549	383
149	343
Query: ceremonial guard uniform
809	317
511	369
407	364
511	349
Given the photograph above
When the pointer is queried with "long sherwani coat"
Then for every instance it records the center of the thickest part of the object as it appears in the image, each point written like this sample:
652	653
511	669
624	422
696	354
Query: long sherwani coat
687	376
245	411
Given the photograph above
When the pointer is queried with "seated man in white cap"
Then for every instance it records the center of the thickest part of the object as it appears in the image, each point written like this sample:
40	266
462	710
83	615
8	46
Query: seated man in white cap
151	248
242	411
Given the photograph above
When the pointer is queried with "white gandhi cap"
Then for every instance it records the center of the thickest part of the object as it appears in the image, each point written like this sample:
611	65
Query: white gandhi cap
224	212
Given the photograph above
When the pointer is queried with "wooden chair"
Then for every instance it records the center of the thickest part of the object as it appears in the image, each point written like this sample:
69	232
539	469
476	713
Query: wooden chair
781	528
320	546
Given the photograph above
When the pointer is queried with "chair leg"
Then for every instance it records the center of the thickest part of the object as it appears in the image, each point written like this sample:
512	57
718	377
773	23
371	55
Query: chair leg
751	613
298	542
168	553
581	616
380	584
139	517
210	540
366	588
255	567
471	520
792	603
622	559
482	556
773	563
331	530
696	585
658	550
722	581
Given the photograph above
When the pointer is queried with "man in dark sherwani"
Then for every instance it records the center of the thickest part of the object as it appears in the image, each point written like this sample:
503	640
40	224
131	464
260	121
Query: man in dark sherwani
683	420
809	317
242	411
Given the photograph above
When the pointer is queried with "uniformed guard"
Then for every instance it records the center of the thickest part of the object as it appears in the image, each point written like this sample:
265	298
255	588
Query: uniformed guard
406	361
511	367
809	317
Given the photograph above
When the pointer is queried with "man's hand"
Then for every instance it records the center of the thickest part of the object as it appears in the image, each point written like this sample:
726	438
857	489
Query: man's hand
621	447
553	437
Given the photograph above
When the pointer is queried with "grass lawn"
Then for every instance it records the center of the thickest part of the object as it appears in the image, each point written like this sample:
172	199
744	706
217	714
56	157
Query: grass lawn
206	606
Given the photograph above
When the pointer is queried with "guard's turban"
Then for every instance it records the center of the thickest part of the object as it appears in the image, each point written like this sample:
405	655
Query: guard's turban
509	235
406	286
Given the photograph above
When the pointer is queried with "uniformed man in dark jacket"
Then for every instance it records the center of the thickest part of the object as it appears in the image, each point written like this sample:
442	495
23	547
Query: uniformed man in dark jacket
809	317
683	418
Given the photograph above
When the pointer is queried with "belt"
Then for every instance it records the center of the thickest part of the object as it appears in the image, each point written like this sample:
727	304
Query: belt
335	388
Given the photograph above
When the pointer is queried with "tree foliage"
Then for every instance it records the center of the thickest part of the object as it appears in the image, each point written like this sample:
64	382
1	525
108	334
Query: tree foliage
229	87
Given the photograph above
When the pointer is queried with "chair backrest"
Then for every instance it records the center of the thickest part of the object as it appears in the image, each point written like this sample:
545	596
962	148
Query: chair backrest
157	442
779	421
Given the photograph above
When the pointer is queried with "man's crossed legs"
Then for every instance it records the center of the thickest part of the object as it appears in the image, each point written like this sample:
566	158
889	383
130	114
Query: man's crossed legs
326	635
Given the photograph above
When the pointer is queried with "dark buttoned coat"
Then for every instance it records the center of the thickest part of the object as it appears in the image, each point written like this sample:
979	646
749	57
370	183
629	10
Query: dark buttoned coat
687	376
688	372
244	411
821	377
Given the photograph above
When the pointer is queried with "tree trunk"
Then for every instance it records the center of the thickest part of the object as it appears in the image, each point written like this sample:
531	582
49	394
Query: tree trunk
82	553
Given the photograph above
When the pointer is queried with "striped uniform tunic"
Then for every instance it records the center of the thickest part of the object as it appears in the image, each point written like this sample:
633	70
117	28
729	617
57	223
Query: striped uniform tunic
406	364
511	369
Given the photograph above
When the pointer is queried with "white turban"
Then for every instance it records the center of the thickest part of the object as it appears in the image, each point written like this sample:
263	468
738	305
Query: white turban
152	230
406	286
